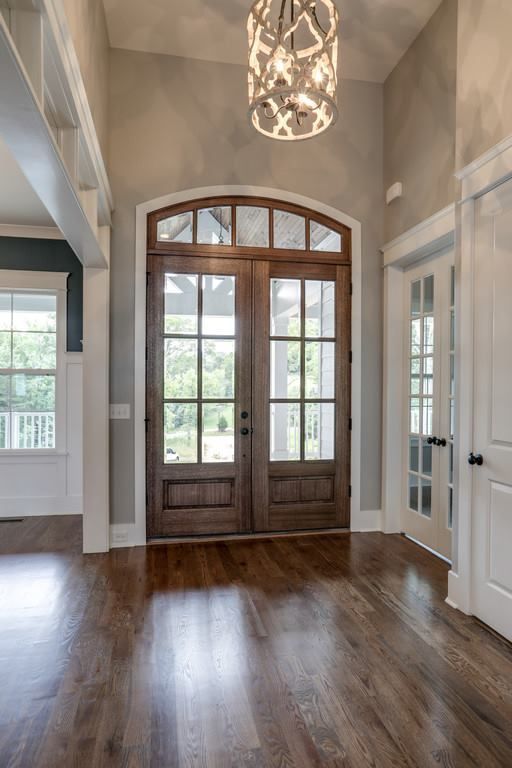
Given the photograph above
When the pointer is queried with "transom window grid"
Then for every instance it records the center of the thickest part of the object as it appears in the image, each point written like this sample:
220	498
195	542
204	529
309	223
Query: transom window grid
28	370
248	226
421	393
310	411
200	332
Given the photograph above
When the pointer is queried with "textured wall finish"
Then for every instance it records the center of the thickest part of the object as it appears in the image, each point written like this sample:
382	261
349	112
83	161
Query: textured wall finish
87	24
484	78
419	124
178	124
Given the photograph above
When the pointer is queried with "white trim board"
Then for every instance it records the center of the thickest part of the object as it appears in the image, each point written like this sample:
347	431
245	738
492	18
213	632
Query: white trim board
33	233
21	279
139	411
489	170
429	236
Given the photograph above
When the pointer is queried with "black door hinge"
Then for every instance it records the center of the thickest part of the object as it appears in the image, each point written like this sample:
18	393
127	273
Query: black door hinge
351	289
350	357
350	425
148	275
147	422
350	491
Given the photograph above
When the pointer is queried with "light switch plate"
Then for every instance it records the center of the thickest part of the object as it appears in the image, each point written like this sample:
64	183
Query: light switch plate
119	411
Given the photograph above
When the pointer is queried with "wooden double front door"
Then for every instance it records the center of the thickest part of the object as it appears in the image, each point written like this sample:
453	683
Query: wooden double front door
248	395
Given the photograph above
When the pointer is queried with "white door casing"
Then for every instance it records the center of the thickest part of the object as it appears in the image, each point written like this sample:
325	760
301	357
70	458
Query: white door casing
492	433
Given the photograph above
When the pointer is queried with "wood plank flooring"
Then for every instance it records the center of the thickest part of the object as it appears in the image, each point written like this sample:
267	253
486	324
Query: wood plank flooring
334	650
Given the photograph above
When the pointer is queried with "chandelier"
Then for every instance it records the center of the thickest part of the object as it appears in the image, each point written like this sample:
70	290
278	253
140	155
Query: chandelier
293	58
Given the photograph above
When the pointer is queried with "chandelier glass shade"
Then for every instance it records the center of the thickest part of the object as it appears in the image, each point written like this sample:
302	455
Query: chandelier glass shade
293	60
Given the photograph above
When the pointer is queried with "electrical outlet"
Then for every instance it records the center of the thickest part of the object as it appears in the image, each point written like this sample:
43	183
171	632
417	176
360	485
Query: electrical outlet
119	411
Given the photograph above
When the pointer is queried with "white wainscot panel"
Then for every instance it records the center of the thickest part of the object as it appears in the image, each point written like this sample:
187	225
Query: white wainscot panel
501	536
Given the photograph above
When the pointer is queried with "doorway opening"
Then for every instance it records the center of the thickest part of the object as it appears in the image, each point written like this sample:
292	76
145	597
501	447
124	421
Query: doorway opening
248	369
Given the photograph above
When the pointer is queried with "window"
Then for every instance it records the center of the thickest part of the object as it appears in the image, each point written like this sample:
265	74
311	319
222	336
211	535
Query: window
29	344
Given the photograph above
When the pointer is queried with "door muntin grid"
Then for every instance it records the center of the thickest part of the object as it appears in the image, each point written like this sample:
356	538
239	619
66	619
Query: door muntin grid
302	370
421	394
199	368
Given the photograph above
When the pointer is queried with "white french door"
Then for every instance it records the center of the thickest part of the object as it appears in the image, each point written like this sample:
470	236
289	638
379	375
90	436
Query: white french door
491	458
427	507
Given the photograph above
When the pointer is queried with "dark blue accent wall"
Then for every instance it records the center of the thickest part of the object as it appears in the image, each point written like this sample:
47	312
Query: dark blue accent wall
50	256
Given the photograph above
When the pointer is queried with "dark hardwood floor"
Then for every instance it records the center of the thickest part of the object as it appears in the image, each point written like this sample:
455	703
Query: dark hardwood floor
332	650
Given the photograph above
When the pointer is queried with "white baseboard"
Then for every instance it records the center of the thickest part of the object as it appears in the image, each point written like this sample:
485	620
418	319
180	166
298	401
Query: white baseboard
456	599
124	535
41	507
366	521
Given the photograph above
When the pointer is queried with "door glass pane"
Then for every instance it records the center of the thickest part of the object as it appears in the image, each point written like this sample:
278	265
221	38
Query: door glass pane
450	464
426	497
415	337
284	432
218	369
34	350
324	239
428	294
427	416
5	311
414	419
5	349
218	433
285	369
319	431
252	226
413	492
34	312
218	305
415	377
452	331
320	308
452	287
180	433
414	454
214	226
428	376
180	369
416	298
176	229
428	335
452	374
450	508
289	231
285	297
320	365
181	304
426	461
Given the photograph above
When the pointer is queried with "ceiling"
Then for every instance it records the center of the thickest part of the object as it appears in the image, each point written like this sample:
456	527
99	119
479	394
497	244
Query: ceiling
19	204
374	33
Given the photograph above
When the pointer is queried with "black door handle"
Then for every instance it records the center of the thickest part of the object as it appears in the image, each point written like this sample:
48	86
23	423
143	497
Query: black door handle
439	441
244	431
442	442
432	440
477	459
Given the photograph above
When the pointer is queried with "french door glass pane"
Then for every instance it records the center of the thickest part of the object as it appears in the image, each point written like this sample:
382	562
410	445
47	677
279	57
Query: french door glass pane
414	454
218	369
285	431
285	300
289	231
324	239
218	305
218	439
181	304
427	416
320	365
180	366
428	335
285	369
5	311
180	433
426	461
428	376
414	418
426	497
415	376
34	350
5	349
320	308
428	294
415	337
450	508
214	226
252	226
416	298
176	229
414	492
34	312
319	431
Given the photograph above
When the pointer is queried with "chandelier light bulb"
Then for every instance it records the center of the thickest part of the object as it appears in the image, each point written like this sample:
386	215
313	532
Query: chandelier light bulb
293	59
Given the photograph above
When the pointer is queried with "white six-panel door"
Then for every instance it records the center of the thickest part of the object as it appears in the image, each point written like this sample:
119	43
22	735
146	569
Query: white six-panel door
427	507
492	437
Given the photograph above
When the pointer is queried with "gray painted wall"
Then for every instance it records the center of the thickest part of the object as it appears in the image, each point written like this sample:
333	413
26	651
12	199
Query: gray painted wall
50	256
484	78
177	124
419	124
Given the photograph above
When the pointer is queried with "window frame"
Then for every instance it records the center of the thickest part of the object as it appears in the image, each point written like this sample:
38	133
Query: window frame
50	283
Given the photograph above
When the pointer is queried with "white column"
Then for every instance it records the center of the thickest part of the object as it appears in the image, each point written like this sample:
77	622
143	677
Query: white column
96	516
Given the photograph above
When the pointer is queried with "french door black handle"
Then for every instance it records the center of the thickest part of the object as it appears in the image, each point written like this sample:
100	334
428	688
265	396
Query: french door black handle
475	459
441	442
244	431
432	440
